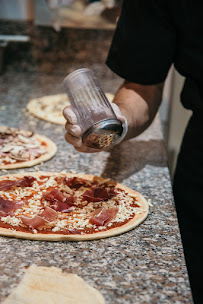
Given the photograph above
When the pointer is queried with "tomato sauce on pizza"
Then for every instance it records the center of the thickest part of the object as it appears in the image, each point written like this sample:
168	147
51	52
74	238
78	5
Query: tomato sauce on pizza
66	204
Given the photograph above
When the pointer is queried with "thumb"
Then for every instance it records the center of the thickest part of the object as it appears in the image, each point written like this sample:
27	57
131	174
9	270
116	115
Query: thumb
118	113
70	115
122	118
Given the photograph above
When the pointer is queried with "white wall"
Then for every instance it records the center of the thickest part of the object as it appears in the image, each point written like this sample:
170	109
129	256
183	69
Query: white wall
16	9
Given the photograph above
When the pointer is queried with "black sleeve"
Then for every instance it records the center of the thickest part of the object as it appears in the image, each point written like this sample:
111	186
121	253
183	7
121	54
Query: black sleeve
143	45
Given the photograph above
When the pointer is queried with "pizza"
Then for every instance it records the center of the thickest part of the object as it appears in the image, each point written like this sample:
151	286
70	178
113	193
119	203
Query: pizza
50	108
20	148
64	206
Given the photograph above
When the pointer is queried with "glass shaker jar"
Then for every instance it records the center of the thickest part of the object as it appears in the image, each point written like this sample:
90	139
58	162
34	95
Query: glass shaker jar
94	113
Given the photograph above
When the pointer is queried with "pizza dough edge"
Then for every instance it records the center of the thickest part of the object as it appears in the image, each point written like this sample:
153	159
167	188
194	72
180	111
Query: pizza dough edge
51	147
134	222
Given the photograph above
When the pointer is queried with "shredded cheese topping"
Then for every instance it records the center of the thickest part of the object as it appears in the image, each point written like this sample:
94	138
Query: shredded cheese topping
78	219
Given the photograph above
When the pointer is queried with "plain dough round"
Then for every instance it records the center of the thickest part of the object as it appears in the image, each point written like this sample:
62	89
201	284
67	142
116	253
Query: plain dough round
49	285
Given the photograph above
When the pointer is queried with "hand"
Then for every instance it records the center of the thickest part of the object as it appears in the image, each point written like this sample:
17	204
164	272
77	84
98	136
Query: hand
74	132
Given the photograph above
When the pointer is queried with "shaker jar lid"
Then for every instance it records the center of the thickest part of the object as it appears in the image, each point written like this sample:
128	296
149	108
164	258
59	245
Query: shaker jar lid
103	134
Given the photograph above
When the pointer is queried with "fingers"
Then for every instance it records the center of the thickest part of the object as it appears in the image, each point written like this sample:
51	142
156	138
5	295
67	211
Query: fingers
122	118
75	141
74	130
70	115
78	144
85	149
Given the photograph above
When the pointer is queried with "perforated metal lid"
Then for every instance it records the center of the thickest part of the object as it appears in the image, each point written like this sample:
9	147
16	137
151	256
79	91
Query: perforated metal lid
103	134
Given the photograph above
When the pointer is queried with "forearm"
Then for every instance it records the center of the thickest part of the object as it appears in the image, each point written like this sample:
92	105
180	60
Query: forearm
139	104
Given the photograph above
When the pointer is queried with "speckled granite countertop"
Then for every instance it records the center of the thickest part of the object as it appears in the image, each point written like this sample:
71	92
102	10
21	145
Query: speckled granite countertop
145	265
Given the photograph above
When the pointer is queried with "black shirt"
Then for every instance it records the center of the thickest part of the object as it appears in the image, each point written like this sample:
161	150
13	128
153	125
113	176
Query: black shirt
153	34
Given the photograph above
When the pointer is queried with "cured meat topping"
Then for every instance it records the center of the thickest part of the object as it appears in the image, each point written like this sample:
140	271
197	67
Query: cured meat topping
7	206
75	182
49	214
98	193
34	222
26	181
54	196
62	207
46	217
102	216
58	204
58	201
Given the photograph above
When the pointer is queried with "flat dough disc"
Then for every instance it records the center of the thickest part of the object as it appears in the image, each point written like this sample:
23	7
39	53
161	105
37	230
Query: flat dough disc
50	108
49	285
132	223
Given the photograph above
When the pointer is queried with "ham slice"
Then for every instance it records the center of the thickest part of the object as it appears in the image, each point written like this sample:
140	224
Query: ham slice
7	207
70	200
62	207
26	181
65	206
103	216
58	201
47	216
112	214
99	217
34	222
54	196
98	194
75	182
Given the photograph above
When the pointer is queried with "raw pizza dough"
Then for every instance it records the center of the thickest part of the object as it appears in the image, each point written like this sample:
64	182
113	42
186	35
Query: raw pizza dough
50	108
49	285
79	218
23	145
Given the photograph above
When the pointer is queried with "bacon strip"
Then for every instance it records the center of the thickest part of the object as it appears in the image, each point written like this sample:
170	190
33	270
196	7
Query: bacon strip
98	194
103	216
7	207
26	181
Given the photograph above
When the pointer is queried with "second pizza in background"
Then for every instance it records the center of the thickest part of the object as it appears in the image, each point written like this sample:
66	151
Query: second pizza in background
50	107
21	148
